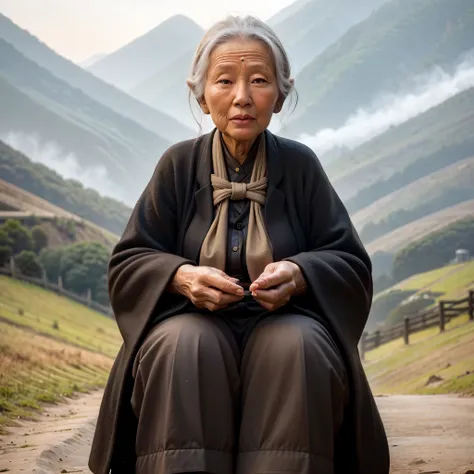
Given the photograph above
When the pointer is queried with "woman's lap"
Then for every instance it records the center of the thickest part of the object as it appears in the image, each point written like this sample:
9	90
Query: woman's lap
271	401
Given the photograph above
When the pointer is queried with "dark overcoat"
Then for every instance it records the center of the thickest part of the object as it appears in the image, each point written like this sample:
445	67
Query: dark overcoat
307	224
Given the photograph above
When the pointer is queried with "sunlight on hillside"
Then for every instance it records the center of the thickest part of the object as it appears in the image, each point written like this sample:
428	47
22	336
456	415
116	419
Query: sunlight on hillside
47	313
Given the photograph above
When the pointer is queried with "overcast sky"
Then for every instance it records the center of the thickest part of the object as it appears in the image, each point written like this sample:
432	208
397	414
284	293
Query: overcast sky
77	29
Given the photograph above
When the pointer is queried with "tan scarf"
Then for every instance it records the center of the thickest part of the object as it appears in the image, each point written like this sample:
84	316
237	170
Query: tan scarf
258	246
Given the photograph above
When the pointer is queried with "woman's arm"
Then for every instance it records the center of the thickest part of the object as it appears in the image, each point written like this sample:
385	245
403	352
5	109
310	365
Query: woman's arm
336	267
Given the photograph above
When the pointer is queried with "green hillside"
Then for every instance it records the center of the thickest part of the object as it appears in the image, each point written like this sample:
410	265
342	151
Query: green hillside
395	368
405	235
439	190
50	347
415	149
445	283
434	250
401	39
68	194
120	102
42	105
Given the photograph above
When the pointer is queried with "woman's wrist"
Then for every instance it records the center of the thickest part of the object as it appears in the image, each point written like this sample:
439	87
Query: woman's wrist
299	280
179	282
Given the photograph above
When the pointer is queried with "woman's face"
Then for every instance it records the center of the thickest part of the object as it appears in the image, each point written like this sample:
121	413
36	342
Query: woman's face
241	91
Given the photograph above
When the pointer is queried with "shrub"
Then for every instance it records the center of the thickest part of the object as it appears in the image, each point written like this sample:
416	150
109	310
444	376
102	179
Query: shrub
40	237
28	264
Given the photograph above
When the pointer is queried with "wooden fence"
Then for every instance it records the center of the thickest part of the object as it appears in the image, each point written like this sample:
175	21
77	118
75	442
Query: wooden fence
58	288
437	316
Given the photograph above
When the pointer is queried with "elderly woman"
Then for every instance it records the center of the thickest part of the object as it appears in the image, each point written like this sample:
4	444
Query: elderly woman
241	290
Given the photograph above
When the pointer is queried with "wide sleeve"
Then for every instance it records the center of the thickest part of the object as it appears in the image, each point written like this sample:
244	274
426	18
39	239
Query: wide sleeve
336	266
144	260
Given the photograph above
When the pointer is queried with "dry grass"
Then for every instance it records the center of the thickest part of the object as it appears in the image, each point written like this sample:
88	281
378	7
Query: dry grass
50	347
398	369
405	235
47	313
35	369
24	201
457	175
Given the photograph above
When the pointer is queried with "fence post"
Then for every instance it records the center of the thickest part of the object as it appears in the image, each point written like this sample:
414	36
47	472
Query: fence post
44	278
362	346
471	305
60	284
406	330
441	316
377	338
12	267
89	297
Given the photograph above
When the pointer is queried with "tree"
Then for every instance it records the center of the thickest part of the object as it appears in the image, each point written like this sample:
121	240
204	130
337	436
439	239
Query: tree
40	238
20	235
83	265
5	254
50	258
28	264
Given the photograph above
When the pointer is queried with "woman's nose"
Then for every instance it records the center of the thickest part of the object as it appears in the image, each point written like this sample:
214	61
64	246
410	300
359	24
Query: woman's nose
242	95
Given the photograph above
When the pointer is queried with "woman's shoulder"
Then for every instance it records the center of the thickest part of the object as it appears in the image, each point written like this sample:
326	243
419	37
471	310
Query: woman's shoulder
181	156
184	149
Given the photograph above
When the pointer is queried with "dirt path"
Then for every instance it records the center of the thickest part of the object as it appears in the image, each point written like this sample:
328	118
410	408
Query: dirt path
427	434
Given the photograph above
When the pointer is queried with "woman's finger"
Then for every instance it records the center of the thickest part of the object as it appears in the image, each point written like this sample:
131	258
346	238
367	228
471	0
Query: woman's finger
215	296
274	295
223	284
269	280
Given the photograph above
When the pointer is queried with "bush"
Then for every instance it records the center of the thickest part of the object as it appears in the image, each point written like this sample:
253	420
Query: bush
435	250
40	237
28	264
20	236
5	255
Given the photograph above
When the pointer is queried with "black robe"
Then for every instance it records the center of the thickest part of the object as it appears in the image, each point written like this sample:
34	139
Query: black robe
307	224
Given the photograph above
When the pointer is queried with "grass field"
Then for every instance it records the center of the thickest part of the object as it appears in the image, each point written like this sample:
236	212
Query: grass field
398	369
50	347
451	281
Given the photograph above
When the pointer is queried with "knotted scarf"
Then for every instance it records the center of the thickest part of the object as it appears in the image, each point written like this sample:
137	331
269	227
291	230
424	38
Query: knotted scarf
258	247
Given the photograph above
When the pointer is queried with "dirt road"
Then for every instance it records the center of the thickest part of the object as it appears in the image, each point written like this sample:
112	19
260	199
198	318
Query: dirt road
427	434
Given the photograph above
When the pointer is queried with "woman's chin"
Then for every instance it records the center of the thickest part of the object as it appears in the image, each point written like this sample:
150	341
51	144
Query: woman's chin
244	132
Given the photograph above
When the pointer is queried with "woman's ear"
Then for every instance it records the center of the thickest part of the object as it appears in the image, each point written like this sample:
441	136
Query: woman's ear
203	105
281	100
202	102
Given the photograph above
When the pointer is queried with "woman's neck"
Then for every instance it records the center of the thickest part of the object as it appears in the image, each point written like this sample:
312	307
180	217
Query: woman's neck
238	149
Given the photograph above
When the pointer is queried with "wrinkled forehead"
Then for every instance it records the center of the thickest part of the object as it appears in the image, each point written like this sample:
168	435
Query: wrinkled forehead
243	51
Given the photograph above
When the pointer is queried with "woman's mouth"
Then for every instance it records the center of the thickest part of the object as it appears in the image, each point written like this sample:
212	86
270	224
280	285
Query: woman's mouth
242	120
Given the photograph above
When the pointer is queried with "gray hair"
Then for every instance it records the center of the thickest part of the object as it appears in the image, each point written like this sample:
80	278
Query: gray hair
237	27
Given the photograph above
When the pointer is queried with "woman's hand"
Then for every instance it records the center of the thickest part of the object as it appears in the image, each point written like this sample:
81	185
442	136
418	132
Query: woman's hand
277	284
206	287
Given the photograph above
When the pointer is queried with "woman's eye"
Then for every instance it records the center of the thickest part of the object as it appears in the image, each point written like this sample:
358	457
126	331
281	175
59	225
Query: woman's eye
260	80
223	81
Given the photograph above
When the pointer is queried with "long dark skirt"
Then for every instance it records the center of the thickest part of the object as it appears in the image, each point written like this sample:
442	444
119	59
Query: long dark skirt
221	394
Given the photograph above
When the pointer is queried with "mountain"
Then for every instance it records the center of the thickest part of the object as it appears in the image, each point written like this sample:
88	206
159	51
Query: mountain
167	89
400	40
43	106
286	12
140	59
115	99
427	143
403	236
92	60
434	192
45	183
306	28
